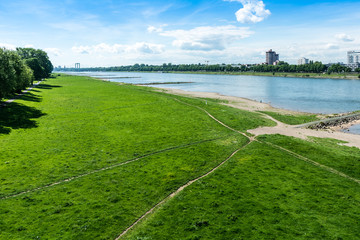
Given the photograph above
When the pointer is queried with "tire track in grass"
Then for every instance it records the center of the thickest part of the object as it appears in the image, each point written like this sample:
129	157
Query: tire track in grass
108	168
180	189
298	156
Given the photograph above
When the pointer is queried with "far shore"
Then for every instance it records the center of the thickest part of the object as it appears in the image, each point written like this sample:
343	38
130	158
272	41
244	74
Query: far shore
349	76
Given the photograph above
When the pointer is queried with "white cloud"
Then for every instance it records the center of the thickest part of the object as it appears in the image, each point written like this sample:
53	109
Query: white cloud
29	46
253	11
8	46
53	51
152	29
332	46
207	38
143	47
344	37
140	47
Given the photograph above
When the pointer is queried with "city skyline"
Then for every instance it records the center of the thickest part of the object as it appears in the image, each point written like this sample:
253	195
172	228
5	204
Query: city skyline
110	33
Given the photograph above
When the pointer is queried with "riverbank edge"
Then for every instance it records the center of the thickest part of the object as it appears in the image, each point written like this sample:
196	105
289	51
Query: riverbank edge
254	106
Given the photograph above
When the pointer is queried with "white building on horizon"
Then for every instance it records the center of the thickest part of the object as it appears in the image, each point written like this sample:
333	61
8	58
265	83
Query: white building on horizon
303	60
353	58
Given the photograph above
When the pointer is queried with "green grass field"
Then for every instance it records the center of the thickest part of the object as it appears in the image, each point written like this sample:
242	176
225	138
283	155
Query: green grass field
84	159
292	119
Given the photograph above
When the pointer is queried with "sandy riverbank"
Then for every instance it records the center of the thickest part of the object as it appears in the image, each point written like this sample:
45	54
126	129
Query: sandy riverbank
281	128
236	102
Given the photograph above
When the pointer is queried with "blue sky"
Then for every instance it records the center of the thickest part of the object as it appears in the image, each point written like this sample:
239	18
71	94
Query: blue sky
116	32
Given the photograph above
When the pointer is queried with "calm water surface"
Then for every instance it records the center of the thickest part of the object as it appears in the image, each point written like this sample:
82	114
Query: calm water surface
299	94
354	129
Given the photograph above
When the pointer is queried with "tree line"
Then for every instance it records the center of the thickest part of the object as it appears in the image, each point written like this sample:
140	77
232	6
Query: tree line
20	67
312	67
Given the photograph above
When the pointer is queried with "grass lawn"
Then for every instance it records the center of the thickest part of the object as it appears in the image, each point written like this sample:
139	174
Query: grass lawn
292	119
88	158
261	193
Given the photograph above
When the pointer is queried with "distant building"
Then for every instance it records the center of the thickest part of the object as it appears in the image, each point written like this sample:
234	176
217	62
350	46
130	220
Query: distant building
77	65
271	57
353	58
303	60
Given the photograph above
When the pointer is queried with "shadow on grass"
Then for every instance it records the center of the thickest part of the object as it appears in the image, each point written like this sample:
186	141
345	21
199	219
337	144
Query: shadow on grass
16	116
29	96
46	86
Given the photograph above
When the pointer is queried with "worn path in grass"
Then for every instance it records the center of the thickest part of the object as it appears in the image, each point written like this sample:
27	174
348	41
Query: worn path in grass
251	139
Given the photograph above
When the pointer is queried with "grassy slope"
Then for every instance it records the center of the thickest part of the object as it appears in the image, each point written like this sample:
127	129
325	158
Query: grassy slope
324	151
292	119
261	193
73	125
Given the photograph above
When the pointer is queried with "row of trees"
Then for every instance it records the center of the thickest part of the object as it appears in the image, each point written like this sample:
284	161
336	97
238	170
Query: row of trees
18	69
312	67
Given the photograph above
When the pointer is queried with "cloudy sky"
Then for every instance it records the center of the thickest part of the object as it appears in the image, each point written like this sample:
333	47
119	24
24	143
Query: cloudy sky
121	32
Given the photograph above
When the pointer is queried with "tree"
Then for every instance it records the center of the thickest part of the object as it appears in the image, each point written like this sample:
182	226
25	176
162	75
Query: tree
7	74
23	74
37	60
14	74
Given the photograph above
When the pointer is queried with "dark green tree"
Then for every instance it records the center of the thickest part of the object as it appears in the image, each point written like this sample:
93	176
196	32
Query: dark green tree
7	74
37	60
14	74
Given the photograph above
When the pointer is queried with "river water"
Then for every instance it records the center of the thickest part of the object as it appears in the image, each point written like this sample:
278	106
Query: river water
299	94
354	129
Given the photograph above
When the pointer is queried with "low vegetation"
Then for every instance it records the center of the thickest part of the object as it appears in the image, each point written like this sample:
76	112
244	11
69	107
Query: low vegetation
261	193
292	119
84	159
